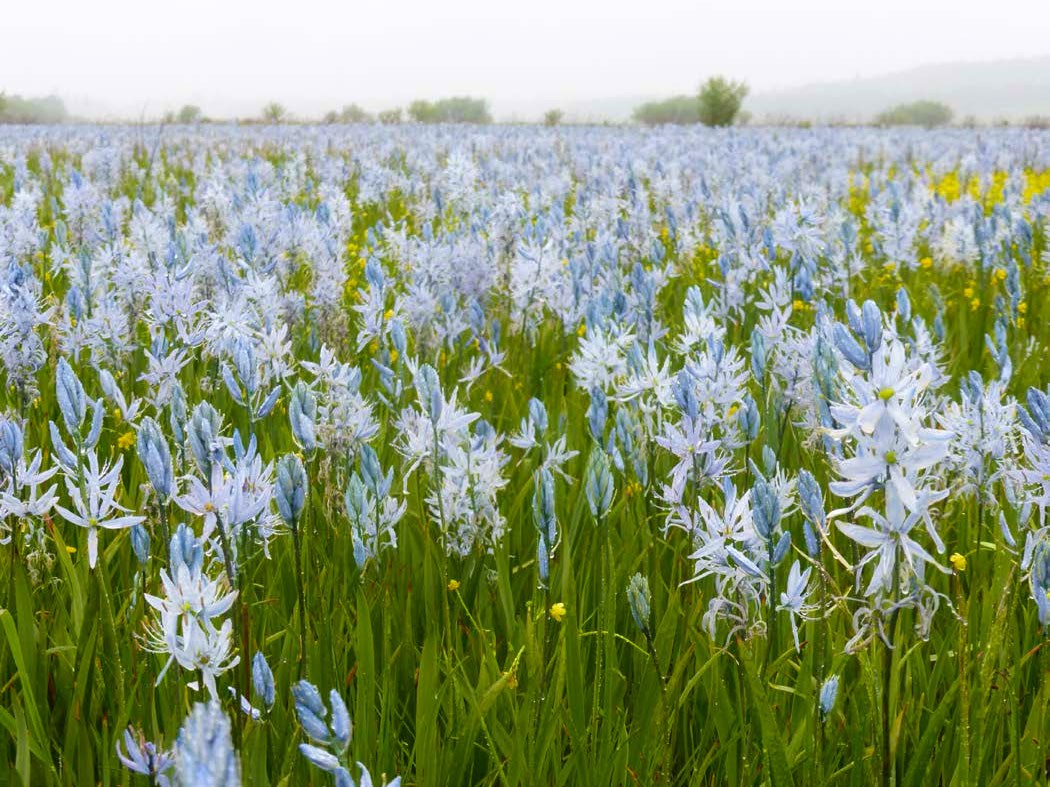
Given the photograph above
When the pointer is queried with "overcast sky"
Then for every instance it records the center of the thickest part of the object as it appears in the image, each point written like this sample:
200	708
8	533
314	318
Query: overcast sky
134	57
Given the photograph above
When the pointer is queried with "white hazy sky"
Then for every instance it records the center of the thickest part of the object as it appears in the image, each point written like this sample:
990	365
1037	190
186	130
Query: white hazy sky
133	57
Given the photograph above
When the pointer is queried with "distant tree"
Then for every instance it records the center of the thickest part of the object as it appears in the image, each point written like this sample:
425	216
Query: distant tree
422	111
190	113
16	109
917	113
457	109
390	117
330	117
553	117
463	109
720	101
274	112
677	110
352	113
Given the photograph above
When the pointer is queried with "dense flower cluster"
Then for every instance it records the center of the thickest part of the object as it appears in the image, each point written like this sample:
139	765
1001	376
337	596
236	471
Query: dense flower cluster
242	342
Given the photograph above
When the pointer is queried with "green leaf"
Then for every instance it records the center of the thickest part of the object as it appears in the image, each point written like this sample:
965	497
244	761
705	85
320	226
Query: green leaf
773	750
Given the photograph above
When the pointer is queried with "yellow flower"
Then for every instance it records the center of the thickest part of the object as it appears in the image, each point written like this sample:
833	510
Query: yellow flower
558	611
126	440
958	561
975	304
388	314
394	355
582	330
1023	308
71	550
926	262
488	396
968	292
117	414
453	584
999	274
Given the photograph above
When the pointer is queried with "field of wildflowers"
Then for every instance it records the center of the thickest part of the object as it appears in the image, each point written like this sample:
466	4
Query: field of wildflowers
524	456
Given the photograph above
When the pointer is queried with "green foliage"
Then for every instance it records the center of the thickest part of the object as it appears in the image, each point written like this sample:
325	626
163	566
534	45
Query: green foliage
274	113
352	113
553	117
918	113
679	110
390	116
16	109
457	109
190	113
720	101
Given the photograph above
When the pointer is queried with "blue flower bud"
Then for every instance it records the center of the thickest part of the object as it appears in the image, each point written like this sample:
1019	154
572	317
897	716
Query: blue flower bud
828	692
685	396
640	600
204	753
291	488
765	508
156	458
398	337
186	550
11	445
872	320
262	679
66	457
903	304
72	402
543	559
204	427
759	355
177	414
811	499
268	403
98	410
302	413
311	711
598	413
598	483
543	511
538	414
340	720
849	348
140	543
782	547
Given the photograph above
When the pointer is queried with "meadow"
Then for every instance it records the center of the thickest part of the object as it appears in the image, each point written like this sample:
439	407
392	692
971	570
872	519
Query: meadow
517	455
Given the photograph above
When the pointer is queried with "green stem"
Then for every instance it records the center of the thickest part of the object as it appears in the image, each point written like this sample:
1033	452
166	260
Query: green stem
299	590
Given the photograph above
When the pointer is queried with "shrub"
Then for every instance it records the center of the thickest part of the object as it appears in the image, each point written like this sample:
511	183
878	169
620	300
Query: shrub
918	113
720	101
